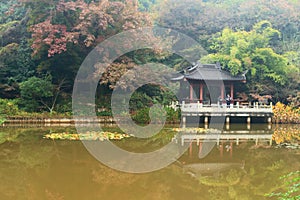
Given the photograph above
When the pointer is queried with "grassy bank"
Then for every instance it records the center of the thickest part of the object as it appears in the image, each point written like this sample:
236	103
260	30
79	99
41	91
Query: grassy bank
283	114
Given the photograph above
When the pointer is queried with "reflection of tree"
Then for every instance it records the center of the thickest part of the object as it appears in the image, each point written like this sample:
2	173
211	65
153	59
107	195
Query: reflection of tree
148	144
265	168
21	155
30	168
286	134
262	169
6	136
106	176
290	189
53	195
232	177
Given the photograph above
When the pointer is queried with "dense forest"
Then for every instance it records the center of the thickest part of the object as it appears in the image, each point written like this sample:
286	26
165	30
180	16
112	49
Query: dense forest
43	44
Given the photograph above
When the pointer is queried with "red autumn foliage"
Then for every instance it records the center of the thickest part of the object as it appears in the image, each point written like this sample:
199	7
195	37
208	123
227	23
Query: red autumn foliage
88	23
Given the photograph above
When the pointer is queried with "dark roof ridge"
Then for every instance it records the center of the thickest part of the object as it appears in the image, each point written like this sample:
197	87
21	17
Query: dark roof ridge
200	71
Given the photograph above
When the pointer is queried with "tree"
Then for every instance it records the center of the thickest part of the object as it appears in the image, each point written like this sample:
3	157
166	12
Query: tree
38	94
239	51
74	28
202	18
16	66
85	24
146	5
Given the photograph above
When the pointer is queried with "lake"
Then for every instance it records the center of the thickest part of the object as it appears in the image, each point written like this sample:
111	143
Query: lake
32	167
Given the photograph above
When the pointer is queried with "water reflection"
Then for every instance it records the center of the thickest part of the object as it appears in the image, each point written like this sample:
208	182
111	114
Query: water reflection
34	168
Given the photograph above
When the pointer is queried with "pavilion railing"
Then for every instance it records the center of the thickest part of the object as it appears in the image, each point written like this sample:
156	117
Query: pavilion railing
238	106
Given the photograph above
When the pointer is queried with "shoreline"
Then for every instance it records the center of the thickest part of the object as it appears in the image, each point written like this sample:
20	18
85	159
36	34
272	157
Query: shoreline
86	120
65	120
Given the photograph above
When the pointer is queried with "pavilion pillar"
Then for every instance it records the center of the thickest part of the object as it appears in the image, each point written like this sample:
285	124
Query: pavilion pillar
221	149
222	91
200	147
231	149
231	90
201	92
191	92
183	121
191	149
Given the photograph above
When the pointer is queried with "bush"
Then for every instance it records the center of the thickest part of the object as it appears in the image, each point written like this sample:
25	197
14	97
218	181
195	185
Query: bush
284	114
173	115
142	115
35	93
104	113
8	107
139	101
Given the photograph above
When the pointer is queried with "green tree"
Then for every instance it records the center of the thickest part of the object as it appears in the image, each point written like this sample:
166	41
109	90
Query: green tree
36	92
240	51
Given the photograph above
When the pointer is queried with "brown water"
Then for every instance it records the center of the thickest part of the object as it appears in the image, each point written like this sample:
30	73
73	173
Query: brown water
35	168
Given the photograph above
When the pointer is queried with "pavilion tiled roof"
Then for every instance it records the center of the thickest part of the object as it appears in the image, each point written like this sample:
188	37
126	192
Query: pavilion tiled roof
207	72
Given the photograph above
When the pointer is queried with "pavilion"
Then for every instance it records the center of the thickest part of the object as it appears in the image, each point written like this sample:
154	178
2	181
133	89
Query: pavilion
203	88
207	83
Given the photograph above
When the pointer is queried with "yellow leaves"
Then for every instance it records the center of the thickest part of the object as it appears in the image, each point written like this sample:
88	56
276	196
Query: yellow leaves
286	134
194	130
90	135
285	114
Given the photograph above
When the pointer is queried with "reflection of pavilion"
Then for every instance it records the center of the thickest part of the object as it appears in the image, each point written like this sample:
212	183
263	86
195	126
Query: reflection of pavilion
225	137
225	140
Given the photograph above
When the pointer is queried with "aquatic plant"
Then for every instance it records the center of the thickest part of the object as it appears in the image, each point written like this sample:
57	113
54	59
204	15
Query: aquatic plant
196	130
90	135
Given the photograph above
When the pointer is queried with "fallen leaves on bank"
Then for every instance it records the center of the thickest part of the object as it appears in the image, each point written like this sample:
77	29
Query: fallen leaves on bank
92	135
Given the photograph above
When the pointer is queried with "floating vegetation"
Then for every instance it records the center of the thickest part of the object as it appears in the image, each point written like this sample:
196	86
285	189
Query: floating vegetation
196	130
90	135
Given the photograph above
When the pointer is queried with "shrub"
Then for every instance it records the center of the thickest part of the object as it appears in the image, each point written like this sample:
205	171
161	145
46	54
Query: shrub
142	115
284	114
172	115
8	107
104	113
